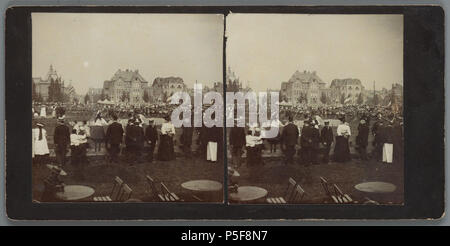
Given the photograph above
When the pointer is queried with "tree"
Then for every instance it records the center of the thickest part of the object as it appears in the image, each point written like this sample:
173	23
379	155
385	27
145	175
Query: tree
39	98
360	99
342	98
376	100
102	96
323	98
125	97
86	99
33	91
146	98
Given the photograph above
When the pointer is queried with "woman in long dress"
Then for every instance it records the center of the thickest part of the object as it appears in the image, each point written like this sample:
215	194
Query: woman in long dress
40	146
342	149
98	132
165	148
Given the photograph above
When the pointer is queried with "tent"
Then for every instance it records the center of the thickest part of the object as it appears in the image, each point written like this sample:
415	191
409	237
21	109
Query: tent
106	101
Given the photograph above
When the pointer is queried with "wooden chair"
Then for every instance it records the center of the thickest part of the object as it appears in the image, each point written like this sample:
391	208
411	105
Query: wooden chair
341	196
166	195
151	183
288	195
116	190
298	195
125	193
336	195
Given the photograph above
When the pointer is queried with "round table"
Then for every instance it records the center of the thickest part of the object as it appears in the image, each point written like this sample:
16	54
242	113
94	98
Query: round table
376	187
75	192
202	185
248	194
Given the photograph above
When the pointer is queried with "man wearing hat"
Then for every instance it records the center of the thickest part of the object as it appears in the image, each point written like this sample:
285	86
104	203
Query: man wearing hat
306	143
326	138
114	136
61	138
186	138
289	138
151	136
362	138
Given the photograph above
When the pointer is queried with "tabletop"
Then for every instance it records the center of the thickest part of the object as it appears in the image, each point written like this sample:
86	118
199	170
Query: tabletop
75	192
202	185
376	187
248	193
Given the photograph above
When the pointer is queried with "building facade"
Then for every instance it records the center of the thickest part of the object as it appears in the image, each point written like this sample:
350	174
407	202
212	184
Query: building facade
304	88
41	85
163	88
126	86
346	90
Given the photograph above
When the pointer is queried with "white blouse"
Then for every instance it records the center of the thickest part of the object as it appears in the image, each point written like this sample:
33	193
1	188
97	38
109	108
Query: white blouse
342	129
167	128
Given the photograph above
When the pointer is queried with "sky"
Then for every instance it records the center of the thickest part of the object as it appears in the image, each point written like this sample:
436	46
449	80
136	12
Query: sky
266	49
87	49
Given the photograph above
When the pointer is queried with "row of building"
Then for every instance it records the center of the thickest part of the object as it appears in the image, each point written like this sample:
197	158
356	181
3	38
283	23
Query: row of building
41	86
305	88
308	88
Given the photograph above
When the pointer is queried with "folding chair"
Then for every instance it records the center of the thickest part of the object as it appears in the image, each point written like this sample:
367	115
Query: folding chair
125	193
342	198
288	195
166	195
118	182
298	195
151	183
326	188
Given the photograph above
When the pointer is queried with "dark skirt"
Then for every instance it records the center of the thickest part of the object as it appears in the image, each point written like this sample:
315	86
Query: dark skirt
341	149
165	148
97	133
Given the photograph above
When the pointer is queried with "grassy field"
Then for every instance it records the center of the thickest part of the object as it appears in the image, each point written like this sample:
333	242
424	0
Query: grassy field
100	175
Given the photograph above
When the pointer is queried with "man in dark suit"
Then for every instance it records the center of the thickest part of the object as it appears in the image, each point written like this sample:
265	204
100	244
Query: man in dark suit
362	139
327	138
315	140
306	143
237	142
136	136
114	135
61	138
151	136
289	138
186	139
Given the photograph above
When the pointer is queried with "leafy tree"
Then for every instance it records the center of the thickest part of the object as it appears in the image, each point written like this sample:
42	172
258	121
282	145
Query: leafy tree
125	97
342	98
360	99
33	89
39	98
86	99
146	98
376	99
323	98
102	96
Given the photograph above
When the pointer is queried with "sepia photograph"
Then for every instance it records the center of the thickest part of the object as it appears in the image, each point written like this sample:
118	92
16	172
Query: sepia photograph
103	88
333	88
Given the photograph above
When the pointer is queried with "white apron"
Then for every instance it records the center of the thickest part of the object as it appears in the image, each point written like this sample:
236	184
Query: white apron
40	147
388	150
211	152
43	112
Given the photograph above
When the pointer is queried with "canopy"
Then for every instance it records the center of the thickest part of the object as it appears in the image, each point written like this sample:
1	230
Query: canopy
283	103
106	101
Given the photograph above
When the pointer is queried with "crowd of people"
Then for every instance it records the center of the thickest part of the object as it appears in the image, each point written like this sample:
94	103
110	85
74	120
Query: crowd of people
131	142
137	139
312	142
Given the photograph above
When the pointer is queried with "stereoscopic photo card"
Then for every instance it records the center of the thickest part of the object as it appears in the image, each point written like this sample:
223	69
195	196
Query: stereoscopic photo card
225	112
